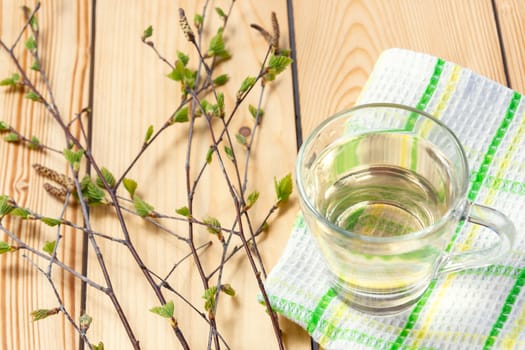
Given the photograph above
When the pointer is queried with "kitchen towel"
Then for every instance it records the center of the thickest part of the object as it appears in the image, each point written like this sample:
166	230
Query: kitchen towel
481	308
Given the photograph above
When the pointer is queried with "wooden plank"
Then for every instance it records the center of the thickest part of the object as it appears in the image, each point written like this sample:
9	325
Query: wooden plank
344	39
65	42
511	16
131	93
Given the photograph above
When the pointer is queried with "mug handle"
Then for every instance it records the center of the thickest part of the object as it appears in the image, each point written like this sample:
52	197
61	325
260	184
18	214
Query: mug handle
493	220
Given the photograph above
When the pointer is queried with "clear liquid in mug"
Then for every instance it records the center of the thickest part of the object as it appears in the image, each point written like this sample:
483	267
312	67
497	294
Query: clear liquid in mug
384	185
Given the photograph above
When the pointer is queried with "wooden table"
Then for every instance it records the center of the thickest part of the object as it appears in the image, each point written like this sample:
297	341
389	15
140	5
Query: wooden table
94	56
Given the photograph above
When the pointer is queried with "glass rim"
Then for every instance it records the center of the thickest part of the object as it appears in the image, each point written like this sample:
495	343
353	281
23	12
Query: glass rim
460	199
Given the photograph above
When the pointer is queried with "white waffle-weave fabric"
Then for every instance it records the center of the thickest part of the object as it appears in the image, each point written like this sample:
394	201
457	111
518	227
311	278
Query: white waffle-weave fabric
481	308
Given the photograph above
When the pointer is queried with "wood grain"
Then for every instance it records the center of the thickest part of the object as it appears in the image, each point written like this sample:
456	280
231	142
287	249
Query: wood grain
343	39
65	46
132	92
511	15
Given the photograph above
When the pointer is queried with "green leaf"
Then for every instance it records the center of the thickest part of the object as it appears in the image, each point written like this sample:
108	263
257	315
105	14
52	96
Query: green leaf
167	310
108	176
31	95
197	20
130	185
4	126
5	207
247	83
50	221
183	57
34	143
254	111
74	157
149	133
184	211
283	188
142	208
11	137
221	80
100	346
40	314
178	72
181	116
148	32
6	247
220	12
30	43
34	23
36	66
213	225
209	155
228	289
94	194
252	198
279	63
229	152
241	139
84	321
49	247
209	108
217	47
20	212
209	298
11	81
220	103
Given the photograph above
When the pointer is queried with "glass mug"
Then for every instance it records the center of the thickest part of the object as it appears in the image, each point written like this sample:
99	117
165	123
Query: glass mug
383	188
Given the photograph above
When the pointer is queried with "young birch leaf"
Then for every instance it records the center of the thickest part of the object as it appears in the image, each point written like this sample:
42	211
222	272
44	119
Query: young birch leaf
167	310
108	176
228	289
183	57
197	20
11	81
84	321
252	198
254	111
181	116
49	247
6	247
130	185
241	139
34	143
279	63
221	80
20	212
148	32
217	47
229	153
11	137
74	157
220	103
178	72
283	188
50	221
149	133
247	83
5	208
214	225
209	298
4	126
94	194
209	155
31	95
36	66
100	346
30	43
40	314
142	208
184	211
220	12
